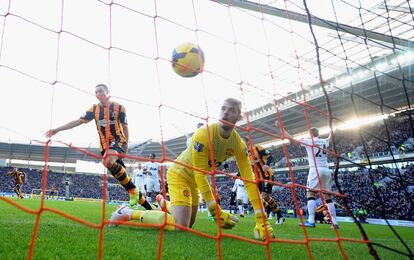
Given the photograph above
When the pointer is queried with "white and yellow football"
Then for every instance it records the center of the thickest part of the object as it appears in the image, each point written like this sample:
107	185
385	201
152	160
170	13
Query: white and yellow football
188	60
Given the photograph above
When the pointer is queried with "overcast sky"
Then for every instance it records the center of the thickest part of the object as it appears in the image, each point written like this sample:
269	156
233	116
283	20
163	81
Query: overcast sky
238	46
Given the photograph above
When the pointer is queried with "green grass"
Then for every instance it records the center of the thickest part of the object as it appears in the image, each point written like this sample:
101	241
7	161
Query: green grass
61	238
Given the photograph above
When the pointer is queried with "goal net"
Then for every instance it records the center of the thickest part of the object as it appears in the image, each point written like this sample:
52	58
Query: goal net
344	67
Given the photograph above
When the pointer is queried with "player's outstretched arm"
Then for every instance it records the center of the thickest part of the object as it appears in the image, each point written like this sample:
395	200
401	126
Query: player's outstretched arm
66	126
330	137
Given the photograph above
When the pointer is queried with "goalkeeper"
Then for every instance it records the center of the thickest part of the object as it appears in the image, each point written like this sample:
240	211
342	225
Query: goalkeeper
210	147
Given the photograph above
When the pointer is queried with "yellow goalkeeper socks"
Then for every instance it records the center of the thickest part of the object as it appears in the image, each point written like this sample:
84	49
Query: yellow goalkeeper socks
154	217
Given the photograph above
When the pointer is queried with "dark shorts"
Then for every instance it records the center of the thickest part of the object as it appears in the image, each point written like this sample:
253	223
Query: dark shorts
265	187
320	217
233	198
120	148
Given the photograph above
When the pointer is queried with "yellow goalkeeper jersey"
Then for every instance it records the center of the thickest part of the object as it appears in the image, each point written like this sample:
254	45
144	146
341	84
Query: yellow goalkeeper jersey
199	156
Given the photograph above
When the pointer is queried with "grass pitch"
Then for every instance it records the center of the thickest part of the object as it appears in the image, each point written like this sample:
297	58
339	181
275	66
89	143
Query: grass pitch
59	237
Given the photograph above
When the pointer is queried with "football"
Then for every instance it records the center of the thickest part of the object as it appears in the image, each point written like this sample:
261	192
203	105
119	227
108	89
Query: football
188	60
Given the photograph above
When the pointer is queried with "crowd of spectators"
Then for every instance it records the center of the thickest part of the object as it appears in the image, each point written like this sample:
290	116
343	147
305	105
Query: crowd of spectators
80	185
382	192
391	135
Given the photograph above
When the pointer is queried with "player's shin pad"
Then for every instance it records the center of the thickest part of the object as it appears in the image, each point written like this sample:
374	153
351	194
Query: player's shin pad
227	220
262	227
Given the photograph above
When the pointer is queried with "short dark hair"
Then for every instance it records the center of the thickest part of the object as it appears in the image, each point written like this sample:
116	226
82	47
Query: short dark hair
153	155
315	132
103	86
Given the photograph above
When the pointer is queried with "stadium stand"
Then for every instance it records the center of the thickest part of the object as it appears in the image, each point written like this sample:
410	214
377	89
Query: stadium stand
395	186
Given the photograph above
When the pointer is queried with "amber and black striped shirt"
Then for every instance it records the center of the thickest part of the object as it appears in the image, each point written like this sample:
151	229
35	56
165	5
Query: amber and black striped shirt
259	159
117	116
18	176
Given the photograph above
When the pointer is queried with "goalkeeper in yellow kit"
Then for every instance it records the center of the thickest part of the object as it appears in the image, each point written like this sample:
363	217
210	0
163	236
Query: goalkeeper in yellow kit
210	146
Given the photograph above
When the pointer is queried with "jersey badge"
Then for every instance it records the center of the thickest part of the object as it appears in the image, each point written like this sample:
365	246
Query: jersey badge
229	152
198	147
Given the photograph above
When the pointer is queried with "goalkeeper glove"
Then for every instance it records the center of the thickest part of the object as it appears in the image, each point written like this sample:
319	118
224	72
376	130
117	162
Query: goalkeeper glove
227	220
262	225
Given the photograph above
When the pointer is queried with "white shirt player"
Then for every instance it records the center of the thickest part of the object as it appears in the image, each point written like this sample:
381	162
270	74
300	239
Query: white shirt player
152	180
319	150
153	168
139	179
319	168
240	190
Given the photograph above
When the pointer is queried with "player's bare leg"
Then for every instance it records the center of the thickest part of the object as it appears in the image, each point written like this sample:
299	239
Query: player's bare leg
165	204
193	215
182	215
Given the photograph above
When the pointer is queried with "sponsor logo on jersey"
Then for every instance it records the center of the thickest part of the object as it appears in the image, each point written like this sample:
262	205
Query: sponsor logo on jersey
102	122
186	193
198	146
216	163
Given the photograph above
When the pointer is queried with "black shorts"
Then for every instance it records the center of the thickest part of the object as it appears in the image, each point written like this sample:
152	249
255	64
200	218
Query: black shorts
265	187
120	148
233	198
319	216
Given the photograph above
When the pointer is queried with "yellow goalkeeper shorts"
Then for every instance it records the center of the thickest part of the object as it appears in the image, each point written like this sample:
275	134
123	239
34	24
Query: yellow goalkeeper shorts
183	191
